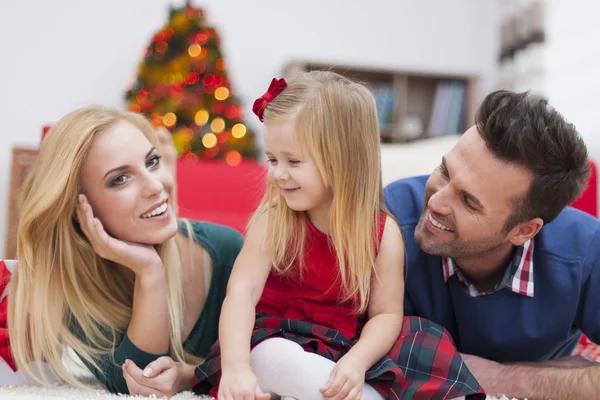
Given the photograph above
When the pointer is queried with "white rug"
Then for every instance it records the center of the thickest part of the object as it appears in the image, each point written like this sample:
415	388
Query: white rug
69	393
18	390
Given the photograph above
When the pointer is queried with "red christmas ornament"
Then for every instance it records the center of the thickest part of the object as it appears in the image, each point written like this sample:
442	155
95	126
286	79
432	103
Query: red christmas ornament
192	78
161	47
231	112
208	80
200	38
218	81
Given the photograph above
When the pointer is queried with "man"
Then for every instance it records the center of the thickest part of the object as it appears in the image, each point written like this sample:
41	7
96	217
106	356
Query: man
496	258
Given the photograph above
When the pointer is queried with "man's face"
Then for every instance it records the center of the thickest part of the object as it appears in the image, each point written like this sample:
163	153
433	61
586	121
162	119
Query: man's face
468	200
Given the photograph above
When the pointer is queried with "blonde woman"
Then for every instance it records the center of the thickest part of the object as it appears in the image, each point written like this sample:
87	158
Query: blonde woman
314	307
105	267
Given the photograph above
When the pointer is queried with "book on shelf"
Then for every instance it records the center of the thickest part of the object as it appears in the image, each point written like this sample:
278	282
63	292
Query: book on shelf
448	109
385	101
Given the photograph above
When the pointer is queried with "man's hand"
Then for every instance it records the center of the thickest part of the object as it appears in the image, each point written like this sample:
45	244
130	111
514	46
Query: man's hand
486	372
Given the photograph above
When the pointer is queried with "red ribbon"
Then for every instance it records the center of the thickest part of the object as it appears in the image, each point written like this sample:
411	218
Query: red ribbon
5	351
276	87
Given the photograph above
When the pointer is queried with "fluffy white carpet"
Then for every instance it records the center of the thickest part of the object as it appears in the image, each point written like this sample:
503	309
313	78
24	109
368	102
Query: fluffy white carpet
69	393
18	390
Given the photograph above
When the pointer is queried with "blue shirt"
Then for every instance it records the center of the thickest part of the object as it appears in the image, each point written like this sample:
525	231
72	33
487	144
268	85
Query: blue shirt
505	326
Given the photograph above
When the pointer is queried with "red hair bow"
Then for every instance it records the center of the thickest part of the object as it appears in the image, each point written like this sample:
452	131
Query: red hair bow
276	87
5	351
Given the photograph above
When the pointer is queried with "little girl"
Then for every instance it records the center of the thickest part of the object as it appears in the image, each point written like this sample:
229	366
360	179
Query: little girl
314	305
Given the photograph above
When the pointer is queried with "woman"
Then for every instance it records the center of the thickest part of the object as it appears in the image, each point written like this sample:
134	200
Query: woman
105	268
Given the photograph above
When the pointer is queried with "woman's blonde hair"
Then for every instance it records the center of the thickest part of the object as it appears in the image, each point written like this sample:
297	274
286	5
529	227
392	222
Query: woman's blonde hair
62	292
336	119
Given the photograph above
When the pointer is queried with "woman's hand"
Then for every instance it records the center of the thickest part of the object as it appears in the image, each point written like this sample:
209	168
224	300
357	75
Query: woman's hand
239	383
140	258
163	377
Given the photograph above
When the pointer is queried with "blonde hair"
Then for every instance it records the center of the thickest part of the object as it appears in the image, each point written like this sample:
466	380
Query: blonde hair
62	290
336	119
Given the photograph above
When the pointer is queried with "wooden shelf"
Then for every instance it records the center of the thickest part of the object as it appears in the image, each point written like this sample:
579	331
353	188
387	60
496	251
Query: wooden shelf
406	100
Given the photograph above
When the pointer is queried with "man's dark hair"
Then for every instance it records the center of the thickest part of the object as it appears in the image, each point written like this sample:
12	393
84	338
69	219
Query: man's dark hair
522	128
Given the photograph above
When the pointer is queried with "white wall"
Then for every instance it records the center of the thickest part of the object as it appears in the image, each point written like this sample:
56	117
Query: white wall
61	54
572	60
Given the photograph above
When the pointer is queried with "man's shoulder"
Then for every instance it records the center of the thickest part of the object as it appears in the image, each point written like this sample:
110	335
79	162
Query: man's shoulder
404	199
570	235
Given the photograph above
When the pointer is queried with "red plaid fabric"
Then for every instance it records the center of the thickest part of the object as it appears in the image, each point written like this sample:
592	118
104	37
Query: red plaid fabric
586	347
518	277
424	363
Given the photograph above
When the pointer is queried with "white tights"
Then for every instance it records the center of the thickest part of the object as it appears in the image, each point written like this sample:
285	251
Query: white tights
284	369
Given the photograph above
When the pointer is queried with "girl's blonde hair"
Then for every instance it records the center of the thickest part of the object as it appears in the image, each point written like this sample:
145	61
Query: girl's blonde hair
62	292
336	119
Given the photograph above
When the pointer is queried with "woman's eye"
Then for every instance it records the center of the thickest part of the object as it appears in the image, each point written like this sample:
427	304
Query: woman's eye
153	161
119	180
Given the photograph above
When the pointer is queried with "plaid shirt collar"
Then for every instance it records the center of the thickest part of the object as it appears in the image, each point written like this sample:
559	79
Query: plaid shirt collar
517	278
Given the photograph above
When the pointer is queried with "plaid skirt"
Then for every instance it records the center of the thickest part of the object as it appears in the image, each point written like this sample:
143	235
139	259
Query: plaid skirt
423	364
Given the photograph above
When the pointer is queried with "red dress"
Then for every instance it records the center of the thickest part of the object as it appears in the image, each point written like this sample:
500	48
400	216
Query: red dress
309	312
316	296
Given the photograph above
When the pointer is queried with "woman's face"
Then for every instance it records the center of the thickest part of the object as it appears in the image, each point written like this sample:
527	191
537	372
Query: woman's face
128	187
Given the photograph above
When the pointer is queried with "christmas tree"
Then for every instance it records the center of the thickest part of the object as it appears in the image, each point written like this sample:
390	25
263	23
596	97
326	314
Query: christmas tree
182	85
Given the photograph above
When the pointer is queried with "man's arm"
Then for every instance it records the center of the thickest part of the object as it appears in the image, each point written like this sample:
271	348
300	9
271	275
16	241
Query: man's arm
571	378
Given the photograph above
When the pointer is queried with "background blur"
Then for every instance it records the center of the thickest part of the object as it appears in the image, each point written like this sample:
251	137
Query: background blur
429	63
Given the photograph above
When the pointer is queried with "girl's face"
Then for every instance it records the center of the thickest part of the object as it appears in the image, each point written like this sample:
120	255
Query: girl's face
128	187
294	172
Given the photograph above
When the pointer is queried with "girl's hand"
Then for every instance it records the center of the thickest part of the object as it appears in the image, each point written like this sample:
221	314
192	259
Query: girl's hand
163	377
347	380
239	383
140	258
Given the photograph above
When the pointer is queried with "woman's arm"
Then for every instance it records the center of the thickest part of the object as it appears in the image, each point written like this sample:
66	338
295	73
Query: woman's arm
147	336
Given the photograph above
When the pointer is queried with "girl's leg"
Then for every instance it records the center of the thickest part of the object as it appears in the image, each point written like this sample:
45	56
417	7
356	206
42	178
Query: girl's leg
282	367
